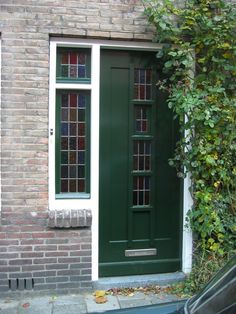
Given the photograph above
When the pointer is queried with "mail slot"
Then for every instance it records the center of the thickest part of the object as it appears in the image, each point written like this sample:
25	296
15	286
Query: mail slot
140	252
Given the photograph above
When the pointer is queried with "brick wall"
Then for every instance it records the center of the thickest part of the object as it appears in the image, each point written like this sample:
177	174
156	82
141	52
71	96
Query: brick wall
31	254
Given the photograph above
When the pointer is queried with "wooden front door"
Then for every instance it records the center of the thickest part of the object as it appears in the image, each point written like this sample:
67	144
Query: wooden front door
139	220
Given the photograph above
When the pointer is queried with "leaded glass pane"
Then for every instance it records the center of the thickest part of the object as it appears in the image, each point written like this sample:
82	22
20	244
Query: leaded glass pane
142	84
74	111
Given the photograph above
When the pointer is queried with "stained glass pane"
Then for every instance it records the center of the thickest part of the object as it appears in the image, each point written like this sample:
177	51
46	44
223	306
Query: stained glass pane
64	186
72	186
73	141
73	63
142	84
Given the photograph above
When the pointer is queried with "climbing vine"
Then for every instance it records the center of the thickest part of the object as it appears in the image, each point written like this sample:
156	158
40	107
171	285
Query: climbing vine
198	61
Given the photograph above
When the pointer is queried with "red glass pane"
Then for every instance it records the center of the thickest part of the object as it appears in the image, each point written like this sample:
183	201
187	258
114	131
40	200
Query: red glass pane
81	129
73	100
64	186
142	92
81	185
73	58
81	143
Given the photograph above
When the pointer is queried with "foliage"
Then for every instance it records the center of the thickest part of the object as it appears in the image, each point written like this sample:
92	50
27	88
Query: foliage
198	59
204	267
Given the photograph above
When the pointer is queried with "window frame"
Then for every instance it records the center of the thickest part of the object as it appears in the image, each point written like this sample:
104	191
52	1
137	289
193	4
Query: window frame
74	200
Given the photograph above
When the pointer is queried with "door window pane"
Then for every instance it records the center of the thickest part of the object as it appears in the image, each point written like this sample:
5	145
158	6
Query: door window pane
142	84
142	119
141	190
141	155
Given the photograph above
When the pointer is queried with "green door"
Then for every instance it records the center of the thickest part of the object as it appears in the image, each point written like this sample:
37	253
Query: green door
139	206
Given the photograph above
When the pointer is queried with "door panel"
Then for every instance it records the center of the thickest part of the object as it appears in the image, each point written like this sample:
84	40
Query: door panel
139	193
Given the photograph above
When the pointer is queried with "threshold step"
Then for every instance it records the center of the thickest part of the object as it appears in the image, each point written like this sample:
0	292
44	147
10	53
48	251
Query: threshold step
107	283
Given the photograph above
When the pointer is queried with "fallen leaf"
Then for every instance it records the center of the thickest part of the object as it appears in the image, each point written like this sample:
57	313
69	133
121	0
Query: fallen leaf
131	294
100	293
25	305
100	300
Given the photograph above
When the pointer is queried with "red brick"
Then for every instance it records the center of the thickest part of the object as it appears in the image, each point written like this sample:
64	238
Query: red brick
21	248
45	248
20	262
33	267
43	235
31	254
69	247
69	260
19	235
44	260
9	242
31	241
57	253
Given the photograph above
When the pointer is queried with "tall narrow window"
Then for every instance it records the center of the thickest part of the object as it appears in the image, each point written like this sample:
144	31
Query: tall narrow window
72	142
142	138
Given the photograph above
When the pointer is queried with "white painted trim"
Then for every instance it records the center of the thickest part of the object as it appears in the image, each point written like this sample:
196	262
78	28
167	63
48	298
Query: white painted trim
86	43
0	126
187	245
51	131
73	86
95	110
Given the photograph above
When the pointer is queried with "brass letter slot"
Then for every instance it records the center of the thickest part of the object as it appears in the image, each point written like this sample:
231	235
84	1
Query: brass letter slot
140	252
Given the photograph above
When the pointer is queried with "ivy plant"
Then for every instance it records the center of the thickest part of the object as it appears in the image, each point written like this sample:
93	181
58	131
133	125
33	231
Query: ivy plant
198	61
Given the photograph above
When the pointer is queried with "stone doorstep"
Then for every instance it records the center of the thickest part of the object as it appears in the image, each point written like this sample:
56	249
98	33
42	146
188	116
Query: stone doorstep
138	281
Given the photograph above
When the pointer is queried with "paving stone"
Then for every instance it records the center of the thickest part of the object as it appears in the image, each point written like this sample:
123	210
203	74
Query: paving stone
111	304
69	309
35	306
70	300
8	311
8	306
133	303
162	297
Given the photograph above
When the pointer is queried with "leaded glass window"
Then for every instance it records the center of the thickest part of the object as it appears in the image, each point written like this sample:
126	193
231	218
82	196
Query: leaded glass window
72	166
74	64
